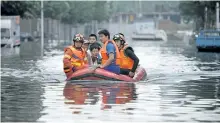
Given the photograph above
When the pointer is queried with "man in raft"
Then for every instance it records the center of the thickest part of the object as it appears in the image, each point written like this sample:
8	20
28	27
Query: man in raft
74	56
109	52
129	61
93	39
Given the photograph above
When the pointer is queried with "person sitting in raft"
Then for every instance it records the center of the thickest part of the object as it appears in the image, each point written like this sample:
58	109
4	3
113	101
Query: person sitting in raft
109	52
85	46
129	61
95	56
93	39
74	56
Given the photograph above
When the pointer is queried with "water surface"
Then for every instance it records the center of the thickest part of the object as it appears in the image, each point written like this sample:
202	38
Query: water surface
182	86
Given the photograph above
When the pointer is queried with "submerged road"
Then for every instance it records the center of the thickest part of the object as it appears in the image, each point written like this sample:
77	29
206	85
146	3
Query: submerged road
183	85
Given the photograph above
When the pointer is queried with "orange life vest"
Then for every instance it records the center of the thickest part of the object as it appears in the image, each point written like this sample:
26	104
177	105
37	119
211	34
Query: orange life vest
126	62
105	57
77	58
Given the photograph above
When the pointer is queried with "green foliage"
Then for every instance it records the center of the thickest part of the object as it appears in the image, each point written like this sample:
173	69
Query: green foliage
15	8
67	11
81	11
195	10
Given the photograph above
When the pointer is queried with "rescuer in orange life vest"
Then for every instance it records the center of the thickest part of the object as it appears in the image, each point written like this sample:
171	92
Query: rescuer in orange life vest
74	56
109	52
129	61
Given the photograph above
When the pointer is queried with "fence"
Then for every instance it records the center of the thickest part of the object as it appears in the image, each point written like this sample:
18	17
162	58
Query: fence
55	30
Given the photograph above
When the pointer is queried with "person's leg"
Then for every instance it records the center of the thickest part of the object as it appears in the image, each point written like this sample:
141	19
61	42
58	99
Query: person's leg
124	71
113	68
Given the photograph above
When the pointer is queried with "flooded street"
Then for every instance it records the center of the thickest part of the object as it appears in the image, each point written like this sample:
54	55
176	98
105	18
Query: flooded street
183	85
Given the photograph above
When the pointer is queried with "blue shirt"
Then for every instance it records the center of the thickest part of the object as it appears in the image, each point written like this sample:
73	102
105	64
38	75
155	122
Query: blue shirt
110	48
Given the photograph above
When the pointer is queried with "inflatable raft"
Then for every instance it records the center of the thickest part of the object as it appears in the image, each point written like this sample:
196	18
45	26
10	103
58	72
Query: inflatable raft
101	74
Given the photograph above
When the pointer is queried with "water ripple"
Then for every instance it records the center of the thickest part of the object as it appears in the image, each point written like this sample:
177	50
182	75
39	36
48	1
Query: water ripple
182	86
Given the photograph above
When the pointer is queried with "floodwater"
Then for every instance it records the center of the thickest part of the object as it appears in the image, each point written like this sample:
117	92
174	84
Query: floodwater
183	85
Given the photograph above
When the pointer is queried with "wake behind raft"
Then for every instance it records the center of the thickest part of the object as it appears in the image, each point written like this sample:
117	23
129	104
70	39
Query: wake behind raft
101	74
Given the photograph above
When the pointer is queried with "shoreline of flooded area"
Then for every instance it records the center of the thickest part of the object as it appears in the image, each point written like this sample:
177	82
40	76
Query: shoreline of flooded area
183	85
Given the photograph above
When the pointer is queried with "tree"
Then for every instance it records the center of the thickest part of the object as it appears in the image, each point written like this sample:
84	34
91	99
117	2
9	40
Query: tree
15	8
70	12
195	10
100	12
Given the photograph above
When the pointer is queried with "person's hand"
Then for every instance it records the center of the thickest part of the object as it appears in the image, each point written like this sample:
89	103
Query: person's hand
101	66
94	67
131	74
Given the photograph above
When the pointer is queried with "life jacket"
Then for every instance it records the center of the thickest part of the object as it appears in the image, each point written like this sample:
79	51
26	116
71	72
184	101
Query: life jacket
77	58
104	55
126	62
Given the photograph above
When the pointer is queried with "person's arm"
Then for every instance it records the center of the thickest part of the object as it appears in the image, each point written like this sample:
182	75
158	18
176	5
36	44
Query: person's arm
132	55
66	60
110	51
99	59
109	61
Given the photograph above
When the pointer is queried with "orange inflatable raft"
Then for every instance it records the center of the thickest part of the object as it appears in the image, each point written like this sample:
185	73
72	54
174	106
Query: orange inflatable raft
101	74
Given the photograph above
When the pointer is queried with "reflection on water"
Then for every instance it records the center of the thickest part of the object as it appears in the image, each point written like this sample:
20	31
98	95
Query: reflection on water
183	86
116	93
10	51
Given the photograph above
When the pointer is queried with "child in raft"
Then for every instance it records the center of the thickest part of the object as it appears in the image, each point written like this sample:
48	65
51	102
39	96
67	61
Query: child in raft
95	55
